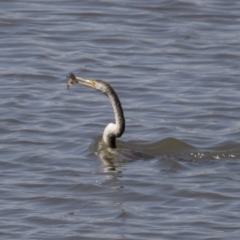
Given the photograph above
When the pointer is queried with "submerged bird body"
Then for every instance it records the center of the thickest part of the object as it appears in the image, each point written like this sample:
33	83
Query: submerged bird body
112	130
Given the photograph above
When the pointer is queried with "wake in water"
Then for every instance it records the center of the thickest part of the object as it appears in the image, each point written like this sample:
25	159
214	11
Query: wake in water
169	149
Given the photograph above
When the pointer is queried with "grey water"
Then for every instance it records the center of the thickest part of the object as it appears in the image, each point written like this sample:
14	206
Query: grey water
176	68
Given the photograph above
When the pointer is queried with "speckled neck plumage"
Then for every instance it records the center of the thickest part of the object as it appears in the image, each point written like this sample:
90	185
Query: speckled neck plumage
113	131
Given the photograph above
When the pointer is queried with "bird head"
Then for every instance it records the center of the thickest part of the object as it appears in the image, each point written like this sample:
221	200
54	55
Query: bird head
95	84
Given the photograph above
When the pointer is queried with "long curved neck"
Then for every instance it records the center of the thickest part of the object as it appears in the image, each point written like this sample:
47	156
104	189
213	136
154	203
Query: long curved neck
113	131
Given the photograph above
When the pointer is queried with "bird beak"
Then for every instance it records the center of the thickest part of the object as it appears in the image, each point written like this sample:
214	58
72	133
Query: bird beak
86	82
72	79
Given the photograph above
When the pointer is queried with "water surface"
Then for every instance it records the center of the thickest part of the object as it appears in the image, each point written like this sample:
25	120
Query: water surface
175	67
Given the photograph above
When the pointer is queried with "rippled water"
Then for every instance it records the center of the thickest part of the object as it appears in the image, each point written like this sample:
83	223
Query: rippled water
175	67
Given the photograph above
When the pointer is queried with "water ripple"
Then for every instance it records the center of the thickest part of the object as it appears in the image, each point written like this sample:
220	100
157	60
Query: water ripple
175	67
